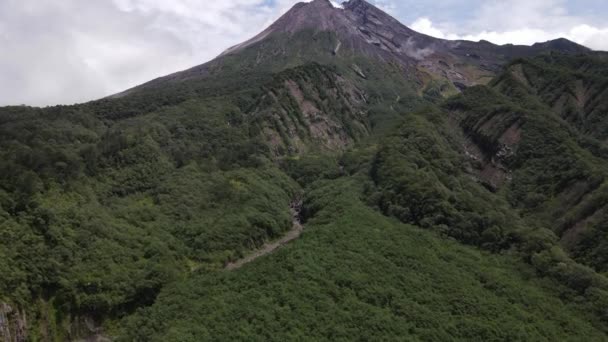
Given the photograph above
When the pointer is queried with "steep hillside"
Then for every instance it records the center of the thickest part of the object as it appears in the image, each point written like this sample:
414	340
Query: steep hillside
574	87
356	274
97	217
554	170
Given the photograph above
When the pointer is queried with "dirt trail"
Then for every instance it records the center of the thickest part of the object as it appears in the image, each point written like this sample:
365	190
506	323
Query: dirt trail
295	232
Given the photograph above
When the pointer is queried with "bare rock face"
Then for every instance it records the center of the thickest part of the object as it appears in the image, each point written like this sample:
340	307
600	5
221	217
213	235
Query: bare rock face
313	108
13	324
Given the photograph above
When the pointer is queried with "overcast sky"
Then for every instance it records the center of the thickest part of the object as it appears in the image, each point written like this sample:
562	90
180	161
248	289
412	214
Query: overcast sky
67	51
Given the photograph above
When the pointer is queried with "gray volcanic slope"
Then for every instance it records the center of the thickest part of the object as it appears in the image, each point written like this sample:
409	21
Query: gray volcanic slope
359	28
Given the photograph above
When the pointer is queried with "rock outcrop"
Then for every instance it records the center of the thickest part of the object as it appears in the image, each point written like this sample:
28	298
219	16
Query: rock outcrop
13	324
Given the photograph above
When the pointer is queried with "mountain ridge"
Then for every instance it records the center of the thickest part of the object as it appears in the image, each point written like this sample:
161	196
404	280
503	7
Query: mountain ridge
361	28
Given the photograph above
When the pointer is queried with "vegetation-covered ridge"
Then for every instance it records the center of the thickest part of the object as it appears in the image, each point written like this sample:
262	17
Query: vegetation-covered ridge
104	203
356	274
549	167
98	215
425	174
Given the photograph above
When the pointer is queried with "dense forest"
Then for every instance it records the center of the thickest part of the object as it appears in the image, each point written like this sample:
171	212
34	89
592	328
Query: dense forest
432	210
128	222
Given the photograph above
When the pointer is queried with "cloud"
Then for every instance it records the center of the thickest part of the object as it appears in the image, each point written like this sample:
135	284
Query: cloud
593	37
387	6
425	25
57	52
336	4
520	22
415	52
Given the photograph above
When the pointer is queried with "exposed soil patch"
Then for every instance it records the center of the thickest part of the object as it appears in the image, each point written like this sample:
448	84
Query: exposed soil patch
581	94
512	136
518	72
572	236
321	126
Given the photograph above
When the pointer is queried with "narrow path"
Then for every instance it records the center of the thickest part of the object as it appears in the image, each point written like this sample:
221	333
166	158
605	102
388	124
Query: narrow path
295	232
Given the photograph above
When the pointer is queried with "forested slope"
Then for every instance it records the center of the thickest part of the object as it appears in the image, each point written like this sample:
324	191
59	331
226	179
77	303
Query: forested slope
452	195
355	274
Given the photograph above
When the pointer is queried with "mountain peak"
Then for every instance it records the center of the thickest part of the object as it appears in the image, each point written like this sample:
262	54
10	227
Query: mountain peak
563	45
319	30
355	22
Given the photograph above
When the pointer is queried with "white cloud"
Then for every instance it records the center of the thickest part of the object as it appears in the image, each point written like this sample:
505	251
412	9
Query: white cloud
592	37
425	25
68	51
336	4
595	38
519	22
387	6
